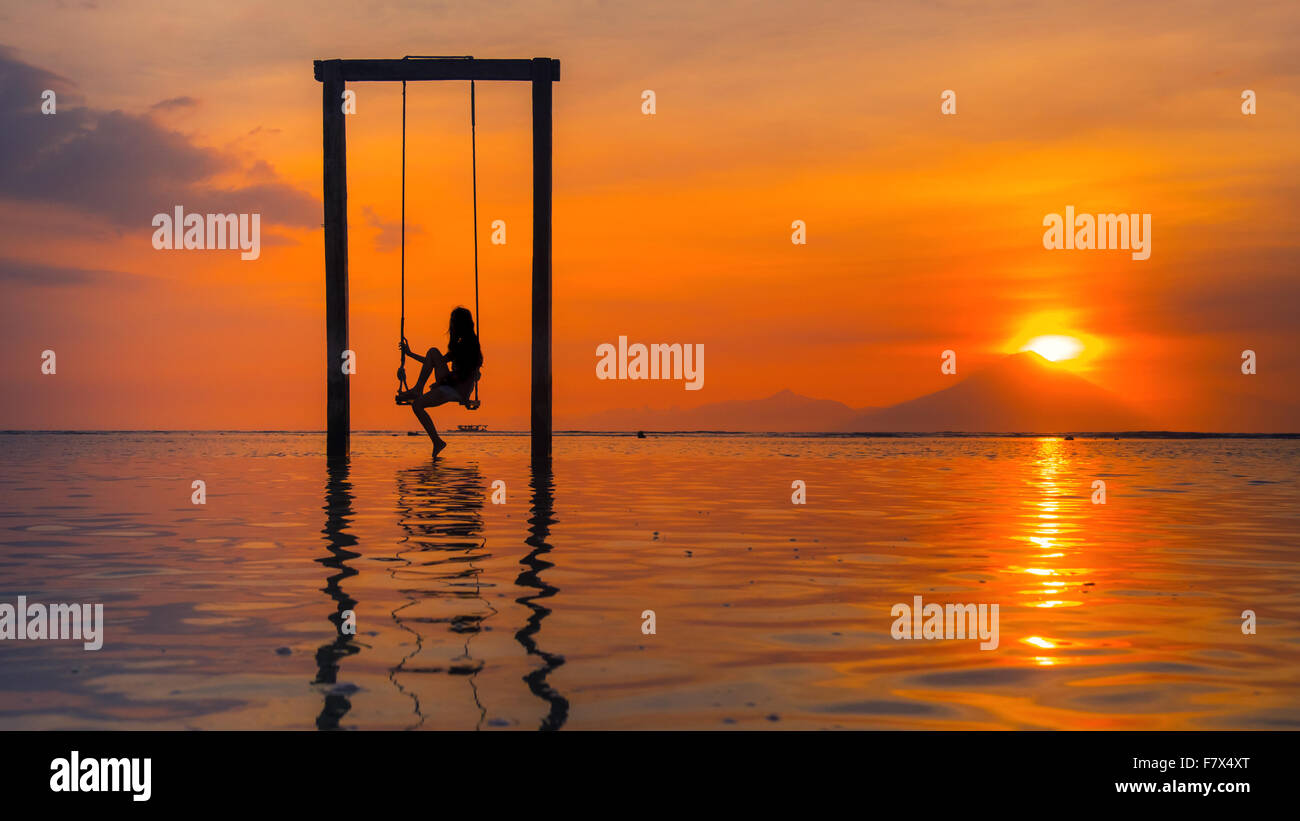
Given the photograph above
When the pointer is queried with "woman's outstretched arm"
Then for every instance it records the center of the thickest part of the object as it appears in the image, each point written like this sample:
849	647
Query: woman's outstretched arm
406	351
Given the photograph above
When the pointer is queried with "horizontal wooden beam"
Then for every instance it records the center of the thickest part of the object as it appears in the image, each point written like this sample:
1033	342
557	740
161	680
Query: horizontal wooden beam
438	68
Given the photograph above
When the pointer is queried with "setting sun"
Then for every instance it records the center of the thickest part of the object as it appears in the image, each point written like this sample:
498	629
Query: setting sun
1054	348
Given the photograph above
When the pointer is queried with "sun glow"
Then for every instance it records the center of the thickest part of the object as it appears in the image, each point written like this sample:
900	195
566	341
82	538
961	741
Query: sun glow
1054	347
1057	335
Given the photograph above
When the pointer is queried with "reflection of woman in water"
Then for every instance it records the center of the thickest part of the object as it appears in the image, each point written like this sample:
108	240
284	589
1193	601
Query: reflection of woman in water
442	604
455	373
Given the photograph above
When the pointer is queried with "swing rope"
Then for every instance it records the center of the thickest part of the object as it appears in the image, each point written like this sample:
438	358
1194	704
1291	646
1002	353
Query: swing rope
473	403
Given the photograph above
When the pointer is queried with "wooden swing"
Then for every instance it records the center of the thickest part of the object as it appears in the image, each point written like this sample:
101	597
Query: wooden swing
471	403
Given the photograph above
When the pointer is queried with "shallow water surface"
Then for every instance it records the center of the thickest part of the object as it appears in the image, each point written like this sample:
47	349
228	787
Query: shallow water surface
528	614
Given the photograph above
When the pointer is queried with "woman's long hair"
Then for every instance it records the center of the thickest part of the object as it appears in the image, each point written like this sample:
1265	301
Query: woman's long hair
462	341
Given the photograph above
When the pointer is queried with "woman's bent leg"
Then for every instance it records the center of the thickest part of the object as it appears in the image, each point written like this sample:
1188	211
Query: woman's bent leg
429	400
435	365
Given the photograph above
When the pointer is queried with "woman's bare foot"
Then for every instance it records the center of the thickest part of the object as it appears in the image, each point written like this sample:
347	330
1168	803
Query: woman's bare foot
438	445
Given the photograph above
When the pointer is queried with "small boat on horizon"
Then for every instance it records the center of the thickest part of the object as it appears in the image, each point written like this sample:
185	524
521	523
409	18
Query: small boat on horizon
472	428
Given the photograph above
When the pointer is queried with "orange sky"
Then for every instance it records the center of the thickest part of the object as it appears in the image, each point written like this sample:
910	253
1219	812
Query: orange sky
924	230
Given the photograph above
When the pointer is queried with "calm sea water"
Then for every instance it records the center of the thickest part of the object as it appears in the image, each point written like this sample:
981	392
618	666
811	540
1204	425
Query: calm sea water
528	614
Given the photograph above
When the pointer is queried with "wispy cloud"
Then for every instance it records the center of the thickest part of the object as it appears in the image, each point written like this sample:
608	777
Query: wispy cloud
22	272
388	236
174	103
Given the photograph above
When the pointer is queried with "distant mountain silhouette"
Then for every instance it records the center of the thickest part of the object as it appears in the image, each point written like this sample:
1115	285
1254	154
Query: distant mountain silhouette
1023	393
782	412
1241	411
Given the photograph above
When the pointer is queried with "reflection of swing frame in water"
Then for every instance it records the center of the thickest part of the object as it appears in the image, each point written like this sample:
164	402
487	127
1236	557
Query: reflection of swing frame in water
539	529
448	490
338	516
443	490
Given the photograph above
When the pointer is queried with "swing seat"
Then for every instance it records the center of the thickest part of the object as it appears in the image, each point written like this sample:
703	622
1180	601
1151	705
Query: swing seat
470	403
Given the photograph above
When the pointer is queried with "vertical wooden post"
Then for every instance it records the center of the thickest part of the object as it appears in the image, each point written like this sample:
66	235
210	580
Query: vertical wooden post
541	415
336	261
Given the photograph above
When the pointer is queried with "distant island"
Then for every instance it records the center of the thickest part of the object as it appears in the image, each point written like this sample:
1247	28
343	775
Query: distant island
1020	394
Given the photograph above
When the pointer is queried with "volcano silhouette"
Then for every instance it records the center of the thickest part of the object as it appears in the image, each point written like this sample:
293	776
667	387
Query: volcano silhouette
1023	393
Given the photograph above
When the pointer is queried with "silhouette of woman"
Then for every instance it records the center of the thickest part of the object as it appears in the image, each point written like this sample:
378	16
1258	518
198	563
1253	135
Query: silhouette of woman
455	373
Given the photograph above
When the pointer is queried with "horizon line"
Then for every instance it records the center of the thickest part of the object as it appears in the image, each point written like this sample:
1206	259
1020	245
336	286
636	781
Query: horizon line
1133	434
